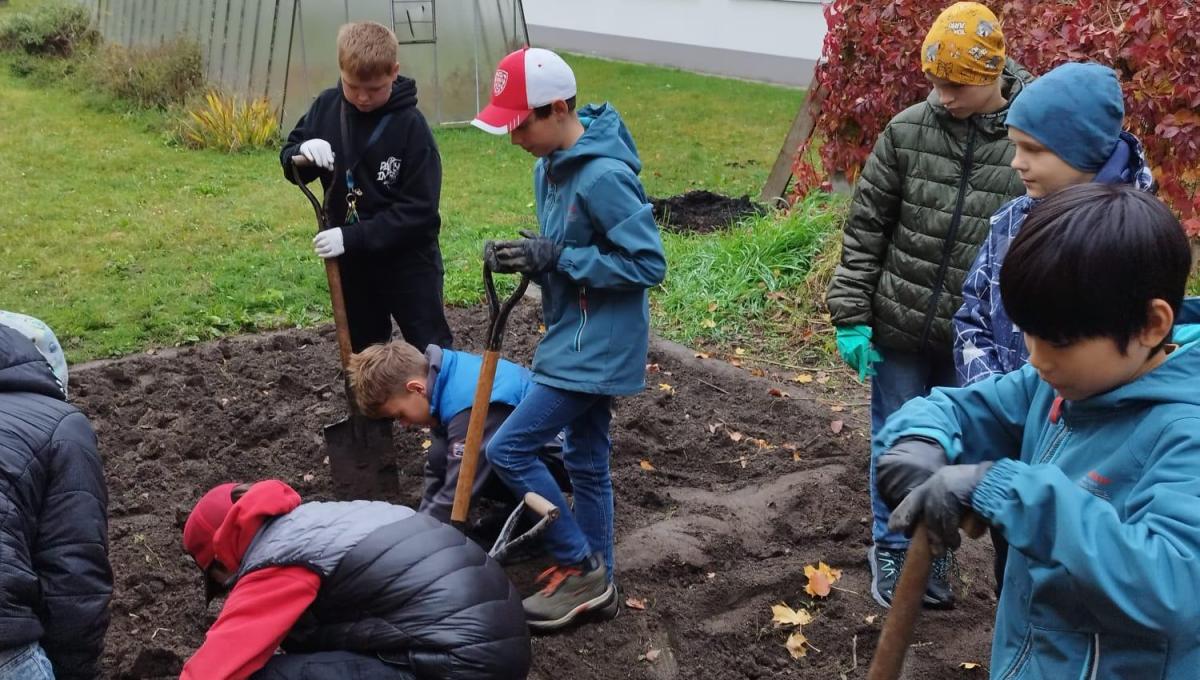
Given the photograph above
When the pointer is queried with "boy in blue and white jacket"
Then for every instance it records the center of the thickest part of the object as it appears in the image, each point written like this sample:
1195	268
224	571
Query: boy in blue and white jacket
1102	506
1066	128
598	253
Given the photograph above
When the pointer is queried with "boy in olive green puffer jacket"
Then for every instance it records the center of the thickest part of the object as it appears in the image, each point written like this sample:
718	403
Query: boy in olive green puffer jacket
937	173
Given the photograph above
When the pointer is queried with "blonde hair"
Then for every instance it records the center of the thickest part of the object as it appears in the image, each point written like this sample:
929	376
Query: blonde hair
366	49
380	371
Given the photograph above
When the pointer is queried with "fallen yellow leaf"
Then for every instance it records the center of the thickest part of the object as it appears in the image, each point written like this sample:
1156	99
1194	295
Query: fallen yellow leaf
820	579
701	355
783	615
736	436
708	323
796	456
426	444
869	620
796	645
666	388
739	351
969	665
803	378
645	465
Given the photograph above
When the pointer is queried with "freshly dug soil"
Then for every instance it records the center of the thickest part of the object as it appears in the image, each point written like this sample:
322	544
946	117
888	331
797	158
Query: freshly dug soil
710	538
701	211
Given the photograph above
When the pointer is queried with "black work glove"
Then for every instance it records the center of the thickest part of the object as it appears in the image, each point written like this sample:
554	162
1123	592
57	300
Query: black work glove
905	466
530	255
941	501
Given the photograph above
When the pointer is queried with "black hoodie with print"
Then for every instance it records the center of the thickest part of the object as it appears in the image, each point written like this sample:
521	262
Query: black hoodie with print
399	172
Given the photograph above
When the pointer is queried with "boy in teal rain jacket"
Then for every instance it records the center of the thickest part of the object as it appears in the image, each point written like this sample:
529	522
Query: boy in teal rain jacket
1102	508
598	253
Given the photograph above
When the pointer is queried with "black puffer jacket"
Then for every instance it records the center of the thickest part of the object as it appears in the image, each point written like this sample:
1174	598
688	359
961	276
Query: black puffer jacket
55	580
404	586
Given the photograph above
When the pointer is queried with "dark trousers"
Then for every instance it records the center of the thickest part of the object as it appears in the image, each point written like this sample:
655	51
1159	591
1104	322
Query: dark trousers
407	289
330	666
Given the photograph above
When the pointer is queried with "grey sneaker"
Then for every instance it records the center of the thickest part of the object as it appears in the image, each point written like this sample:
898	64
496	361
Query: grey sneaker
939	594
570	592
886	564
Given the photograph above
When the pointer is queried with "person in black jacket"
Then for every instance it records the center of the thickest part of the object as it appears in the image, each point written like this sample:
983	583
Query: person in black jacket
374	152
55	579
360	589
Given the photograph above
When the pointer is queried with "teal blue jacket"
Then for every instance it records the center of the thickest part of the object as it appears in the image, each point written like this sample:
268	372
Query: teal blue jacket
595	304
1102	511
455	376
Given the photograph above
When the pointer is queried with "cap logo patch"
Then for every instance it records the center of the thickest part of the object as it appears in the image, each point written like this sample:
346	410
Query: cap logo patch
500	81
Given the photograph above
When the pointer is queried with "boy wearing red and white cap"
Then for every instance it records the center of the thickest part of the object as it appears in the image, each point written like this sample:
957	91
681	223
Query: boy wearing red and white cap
359	589
597	254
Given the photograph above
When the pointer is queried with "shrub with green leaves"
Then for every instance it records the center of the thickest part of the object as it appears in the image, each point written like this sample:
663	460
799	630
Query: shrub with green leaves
54	29
229	124
152	77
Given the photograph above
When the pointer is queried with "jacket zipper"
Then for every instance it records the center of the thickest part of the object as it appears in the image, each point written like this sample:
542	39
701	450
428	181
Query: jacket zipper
1092	667
1022	656
955	220
583	313
1052	449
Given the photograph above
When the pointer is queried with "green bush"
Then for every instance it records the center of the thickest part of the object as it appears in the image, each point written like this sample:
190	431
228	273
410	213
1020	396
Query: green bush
153	78
54	29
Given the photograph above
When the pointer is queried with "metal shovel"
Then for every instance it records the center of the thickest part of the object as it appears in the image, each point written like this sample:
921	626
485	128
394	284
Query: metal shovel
362	457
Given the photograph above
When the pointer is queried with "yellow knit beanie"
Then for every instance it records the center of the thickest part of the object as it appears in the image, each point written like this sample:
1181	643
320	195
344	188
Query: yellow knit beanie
965	45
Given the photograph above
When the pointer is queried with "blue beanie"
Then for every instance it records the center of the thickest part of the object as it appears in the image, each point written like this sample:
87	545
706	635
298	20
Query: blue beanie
1075	111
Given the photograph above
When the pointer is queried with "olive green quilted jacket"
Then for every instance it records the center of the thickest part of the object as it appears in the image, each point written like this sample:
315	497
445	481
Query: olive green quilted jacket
919	214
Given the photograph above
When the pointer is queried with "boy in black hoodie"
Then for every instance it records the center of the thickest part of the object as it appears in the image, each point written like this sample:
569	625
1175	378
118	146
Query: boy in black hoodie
367	138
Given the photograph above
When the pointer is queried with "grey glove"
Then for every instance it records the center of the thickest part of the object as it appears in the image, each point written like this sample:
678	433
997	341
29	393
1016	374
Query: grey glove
941	502
905	466
531	255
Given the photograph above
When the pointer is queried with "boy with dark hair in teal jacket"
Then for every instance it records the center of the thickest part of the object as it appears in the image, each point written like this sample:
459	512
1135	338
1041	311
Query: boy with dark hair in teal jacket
1102	509
598	252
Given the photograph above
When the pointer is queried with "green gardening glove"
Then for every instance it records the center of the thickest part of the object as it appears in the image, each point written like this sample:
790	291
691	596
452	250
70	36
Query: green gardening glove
854	346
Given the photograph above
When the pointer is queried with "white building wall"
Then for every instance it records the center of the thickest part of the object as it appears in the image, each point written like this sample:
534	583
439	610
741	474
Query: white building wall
772	40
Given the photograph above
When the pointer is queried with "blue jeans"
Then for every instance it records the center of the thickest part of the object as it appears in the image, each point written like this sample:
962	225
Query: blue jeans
900	377
514	455
27	663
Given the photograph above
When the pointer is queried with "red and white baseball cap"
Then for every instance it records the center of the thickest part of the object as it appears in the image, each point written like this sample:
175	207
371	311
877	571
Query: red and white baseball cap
526	79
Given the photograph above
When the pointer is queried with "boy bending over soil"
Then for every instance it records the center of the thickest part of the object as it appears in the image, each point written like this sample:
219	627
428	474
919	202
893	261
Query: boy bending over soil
437	390
359	589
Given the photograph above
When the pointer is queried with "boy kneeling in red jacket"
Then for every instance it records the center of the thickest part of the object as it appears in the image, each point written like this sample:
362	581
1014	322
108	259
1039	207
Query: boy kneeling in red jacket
360	589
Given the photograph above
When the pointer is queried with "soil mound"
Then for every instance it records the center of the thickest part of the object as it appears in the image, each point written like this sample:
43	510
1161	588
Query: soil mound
701	211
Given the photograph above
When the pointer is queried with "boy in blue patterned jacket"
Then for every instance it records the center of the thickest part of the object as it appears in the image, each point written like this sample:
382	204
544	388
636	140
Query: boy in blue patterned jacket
1066	128
1101	508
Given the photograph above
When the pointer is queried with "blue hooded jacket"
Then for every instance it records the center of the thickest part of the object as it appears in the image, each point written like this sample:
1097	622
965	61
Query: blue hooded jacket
986	342
1101	510
454	376
595	304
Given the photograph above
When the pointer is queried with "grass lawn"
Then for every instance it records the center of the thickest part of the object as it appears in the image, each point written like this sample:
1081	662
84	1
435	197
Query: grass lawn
121	241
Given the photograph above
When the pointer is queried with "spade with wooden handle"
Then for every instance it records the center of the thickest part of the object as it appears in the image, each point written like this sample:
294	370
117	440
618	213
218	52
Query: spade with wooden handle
897	633
362	456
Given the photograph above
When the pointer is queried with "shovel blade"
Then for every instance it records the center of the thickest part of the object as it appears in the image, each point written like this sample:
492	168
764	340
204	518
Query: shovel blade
362	459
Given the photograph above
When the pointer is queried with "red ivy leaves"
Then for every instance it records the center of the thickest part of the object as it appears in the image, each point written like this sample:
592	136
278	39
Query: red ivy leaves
870	72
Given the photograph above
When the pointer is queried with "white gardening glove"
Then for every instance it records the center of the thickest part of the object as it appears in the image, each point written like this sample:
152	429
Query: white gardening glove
319	152
329	243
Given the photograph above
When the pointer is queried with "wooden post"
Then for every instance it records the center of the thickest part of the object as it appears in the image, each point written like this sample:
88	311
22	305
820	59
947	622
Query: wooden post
802	127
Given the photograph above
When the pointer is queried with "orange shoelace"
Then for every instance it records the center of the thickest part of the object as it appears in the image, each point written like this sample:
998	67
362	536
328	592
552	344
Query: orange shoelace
554	577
